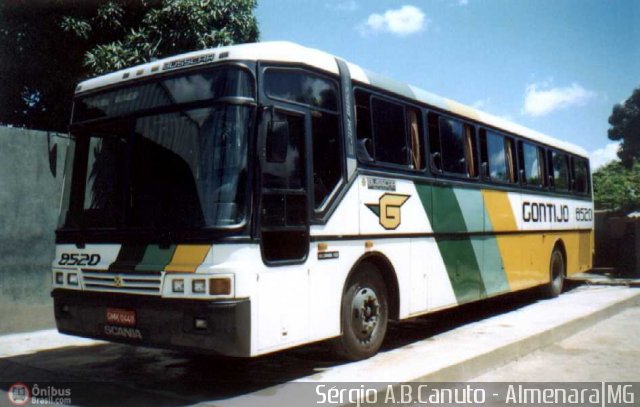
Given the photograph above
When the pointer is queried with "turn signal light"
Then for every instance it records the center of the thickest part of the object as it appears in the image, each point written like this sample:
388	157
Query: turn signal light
220	286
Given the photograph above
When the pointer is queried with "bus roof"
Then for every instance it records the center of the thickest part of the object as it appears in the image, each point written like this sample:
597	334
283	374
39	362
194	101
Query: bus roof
288	52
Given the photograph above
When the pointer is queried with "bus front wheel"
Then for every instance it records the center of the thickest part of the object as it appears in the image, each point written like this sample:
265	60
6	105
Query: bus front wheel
557	272
364	315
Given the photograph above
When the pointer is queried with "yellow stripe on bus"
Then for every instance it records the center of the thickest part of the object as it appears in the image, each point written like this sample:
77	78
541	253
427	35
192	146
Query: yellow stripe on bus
498	208
526	257
187	258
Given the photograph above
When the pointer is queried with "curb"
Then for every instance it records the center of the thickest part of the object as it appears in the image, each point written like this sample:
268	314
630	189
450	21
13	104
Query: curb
482	363
460	354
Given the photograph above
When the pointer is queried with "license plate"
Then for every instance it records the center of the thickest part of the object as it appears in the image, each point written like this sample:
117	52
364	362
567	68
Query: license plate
122	317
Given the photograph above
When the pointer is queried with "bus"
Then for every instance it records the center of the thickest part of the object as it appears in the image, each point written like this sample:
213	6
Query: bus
248	199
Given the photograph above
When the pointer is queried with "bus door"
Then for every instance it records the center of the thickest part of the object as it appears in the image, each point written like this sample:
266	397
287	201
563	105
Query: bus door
284	211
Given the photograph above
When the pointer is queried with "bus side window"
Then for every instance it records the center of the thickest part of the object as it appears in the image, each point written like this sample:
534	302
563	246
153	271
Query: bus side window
499	154
364	146
580	175
452	143
560	171
389	136
452	146
457	147
532	164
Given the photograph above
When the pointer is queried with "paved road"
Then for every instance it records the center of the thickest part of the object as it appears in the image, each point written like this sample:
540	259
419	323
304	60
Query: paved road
607	351
108	374
132	375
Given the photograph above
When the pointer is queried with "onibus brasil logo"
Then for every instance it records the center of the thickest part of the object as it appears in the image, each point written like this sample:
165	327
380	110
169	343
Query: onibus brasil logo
388	209
19	394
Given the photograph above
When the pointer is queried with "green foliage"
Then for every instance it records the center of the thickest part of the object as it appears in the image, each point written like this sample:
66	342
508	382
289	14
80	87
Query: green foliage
617	187
175	27
625	126
47	47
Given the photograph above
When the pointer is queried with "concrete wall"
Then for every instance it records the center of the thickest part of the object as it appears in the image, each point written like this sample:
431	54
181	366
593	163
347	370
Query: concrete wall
29	204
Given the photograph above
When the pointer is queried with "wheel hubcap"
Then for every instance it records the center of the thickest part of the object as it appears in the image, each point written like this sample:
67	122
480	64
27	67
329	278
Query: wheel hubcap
365	313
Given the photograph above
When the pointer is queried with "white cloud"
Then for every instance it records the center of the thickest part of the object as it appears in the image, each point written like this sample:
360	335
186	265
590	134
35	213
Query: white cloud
348	5
401	22
539	100
604	155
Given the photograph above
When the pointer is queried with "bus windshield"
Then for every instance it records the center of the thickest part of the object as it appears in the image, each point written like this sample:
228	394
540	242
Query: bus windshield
171	154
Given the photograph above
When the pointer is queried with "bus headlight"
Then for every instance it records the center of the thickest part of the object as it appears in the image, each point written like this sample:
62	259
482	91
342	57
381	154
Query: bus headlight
59	278
220	286
198	286
177	285
72	279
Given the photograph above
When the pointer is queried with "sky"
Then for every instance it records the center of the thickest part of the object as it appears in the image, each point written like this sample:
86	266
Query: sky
555	66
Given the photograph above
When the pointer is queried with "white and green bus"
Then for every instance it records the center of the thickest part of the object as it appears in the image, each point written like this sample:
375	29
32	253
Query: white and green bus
252	198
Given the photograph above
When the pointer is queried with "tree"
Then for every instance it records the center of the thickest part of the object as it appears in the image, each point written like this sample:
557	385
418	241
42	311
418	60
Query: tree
625	126
616	187
46	47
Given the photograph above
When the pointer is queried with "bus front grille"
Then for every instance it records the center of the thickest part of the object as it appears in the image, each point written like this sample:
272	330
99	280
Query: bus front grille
134	283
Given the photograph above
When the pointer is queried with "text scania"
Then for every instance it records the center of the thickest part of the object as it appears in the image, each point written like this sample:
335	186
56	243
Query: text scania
544	212
130	333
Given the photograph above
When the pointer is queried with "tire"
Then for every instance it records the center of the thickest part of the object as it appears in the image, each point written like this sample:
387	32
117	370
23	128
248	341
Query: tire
557	273
365	296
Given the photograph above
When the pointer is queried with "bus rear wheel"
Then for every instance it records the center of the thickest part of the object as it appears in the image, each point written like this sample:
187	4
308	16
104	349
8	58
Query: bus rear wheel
557	272
364	315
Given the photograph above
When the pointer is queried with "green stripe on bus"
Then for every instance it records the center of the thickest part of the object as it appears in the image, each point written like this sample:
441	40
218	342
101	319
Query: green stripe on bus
458	254
492	270
156	258
486	250
472	208
446	216
462	267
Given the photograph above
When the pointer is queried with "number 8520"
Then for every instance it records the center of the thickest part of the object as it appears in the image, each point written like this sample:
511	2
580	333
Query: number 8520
78	259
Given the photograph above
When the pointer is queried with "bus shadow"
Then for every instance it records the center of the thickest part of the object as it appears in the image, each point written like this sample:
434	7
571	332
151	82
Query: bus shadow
107	374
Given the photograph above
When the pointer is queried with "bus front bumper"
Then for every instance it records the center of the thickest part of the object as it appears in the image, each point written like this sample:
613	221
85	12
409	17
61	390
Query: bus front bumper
222	327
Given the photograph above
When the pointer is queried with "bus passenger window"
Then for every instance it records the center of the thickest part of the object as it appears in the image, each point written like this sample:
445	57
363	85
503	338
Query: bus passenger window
456	145
580	175
497	158
560	171
390	144
532	160
364	145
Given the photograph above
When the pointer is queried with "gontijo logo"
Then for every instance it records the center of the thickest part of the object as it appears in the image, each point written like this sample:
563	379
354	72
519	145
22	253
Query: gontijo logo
388	209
